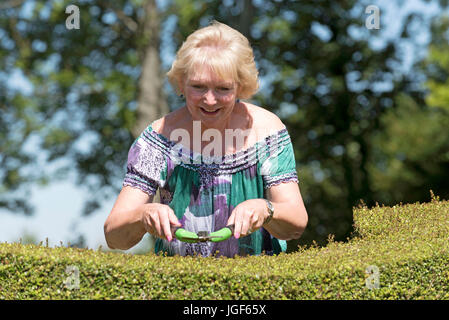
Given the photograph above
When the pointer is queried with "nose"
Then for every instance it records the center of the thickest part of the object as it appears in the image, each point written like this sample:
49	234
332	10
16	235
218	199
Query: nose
210	97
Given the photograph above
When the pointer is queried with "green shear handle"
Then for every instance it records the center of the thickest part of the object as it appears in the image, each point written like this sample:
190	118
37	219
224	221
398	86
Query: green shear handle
204	236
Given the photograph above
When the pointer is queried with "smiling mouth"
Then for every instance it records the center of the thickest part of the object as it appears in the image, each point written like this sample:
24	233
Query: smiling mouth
209	112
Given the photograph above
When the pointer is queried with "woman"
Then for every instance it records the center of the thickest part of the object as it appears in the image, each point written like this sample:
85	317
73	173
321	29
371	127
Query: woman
252	183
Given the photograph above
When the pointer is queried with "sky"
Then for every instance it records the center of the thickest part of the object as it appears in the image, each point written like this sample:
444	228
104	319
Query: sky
58	205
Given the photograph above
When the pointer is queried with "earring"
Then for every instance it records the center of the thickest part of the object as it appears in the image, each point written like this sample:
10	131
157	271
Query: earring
238	100
181	96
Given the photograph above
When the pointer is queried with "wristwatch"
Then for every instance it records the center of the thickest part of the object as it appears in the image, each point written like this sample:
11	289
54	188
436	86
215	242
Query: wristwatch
270	211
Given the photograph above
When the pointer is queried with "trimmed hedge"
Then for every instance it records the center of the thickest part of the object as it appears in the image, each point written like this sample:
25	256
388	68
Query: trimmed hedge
405	246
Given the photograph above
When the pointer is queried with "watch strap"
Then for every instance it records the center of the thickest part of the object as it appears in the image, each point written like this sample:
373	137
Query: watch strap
270	211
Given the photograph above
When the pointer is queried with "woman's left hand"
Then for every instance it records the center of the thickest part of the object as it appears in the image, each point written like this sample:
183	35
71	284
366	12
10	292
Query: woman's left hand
248	216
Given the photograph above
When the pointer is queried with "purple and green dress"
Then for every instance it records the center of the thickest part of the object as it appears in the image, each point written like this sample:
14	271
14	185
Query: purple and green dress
203	190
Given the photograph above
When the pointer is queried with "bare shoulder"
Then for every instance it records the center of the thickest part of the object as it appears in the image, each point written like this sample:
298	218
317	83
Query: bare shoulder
158	124
165	124
265	121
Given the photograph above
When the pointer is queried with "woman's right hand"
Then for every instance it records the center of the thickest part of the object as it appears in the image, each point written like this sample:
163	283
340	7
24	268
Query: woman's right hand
159	219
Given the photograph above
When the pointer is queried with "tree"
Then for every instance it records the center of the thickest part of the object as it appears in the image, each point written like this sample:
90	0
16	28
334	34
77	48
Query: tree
410	155
412	152
437	66
86	101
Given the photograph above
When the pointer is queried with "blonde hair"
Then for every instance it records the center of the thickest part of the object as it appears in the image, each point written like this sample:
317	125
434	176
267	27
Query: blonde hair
223	49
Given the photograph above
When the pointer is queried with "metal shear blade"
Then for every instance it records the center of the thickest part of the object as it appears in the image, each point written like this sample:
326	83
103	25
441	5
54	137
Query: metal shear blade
203	236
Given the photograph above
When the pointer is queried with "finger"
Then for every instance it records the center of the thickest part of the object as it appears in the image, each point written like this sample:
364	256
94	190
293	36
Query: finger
147	225
245	224
165	226
154	218
231	219
238	225
254	223
173	219
174	222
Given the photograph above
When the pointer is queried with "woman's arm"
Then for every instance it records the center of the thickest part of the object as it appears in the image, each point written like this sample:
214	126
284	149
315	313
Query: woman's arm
289	219
290	216
123	228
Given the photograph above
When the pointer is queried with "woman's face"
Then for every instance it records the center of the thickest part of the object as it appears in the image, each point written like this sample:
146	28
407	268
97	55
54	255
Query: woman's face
209	98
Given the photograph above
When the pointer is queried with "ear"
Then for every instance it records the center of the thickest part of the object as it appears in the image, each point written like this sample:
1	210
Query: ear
238	91
181	85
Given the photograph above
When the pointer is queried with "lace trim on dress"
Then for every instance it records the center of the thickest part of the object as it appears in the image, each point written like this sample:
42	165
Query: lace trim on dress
288	177
227	164
134	179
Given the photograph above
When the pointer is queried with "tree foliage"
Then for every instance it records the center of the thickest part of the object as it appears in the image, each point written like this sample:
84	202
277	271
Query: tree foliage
82	105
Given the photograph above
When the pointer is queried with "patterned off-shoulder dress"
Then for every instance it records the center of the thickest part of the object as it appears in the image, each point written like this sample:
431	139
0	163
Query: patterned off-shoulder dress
203	191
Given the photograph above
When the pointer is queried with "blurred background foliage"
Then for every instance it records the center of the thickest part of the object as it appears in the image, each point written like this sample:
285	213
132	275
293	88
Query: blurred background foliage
364	127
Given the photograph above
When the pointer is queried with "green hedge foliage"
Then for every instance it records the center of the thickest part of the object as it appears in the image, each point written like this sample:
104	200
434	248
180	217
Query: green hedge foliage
398	252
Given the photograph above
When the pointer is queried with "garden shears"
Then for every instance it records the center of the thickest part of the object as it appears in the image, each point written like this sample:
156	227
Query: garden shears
204	236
